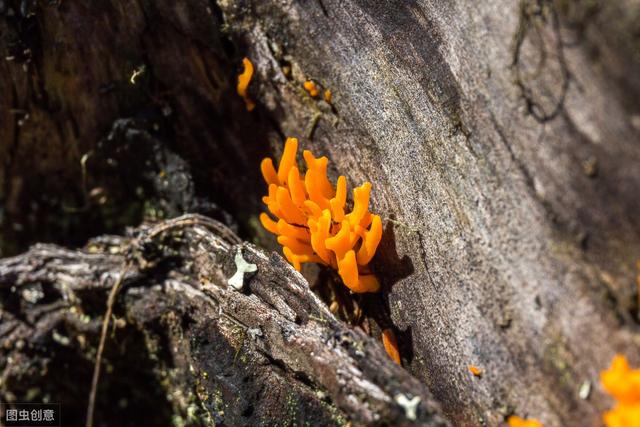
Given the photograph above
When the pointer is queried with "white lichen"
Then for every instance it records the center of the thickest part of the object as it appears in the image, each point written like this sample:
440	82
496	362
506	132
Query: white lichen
33	293
410	406
237	280
585	390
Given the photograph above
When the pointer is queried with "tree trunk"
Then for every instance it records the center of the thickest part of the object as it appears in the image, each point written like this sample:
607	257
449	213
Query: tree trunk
500	137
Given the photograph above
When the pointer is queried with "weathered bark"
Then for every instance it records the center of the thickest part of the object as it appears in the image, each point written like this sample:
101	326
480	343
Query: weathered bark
268	354
510	155
501	139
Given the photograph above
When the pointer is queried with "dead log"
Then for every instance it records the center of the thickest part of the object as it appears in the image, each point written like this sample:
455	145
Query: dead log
258	350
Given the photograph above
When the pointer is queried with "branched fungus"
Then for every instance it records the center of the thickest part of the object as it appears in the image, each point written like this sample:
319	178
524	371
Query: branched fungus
623	383
311	222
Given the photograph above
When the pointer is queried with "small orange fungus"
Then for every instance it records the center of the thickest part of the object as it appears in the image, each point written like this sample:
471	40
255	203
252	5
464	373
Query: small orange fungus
311	88
391	345
327	96
515	421
475	370
623	383
243	83
311	222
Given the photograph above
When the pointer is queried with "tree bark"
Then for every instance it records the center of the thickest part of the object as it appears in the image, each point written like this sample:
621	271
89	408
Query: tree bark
268	353
501	139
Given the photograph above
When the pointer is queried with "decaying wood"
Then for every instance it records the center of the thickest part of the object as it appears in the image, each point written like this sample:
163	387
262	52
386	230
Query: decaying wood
270	353
501	139
496	134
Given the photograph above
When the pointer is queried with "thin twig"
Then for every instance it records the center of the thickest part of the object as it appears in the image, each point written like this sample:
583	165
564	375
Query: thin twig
190	220
103	338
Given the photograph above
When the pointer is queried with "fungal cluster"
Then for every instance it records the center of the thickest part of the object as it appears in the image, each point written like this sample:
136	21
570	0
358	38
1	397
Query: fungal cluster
312	225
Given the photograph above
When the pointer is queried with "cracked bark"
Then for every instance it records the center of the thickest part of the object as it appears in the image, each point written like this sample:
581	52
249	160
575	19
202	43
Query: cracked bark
500	138
270	354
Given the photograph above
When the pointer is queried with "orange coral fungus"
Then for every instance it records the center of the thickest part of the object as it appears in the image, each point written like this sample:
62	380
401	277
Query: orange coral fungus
515	421
391	345
623	383
475	370
243	83
311	223
328	96
311	88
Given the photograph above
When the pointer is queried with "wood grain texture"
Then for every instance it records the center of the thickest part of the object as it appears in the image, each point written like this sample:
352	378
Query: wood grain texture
498	138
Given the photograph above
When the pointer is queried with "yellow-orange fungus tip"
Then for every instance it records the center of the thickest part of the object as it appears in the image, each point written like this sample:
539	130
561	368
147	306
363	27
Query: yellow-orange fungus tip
288	159
269	172
348	270
475	370
623	383
391	345
515	421
244	79
368	283
370	242
311	88
269	224
310	219
327	96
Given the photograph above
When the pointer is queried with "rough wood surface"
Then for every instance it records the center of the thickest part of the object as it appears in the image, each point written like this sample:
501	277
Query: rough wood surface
269	354
497	134
501	139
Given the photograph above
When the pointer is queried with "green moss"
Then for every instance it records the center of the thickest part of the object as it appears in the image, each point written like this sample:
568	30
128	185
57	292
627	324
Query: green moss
336	416
151	211
556	356
291	413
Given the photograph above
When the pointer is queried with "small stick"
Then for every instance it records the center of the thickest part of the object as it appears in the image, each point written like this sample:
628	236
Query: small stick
103	338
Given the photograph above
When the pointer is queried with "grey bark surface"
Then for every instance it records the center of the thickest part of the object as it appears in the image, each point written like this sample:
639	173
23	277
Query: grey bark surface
479	125
501	139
